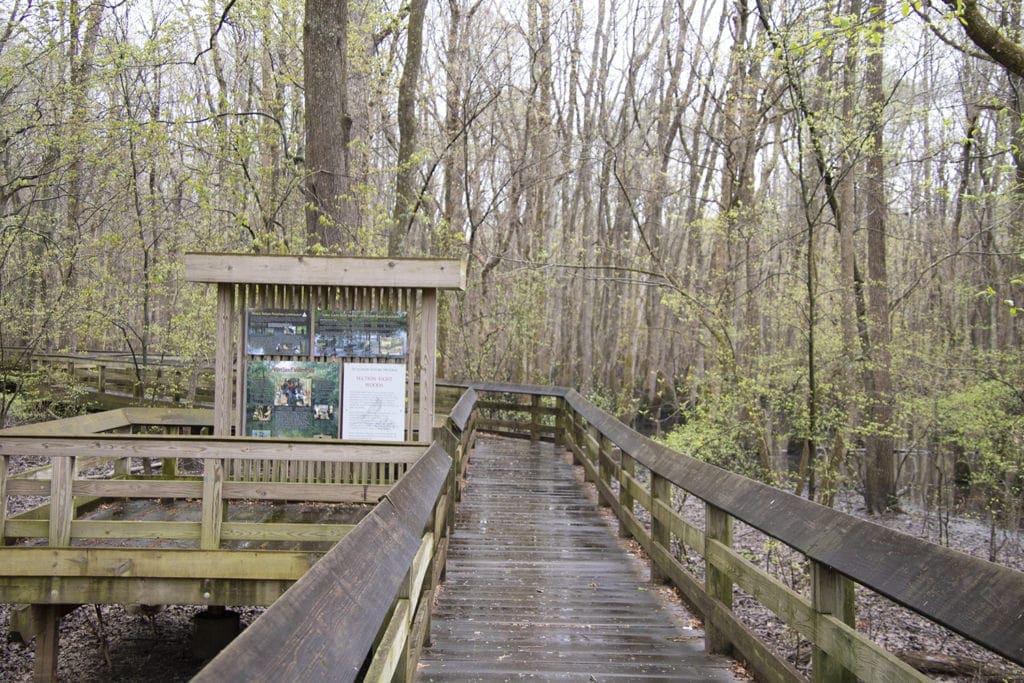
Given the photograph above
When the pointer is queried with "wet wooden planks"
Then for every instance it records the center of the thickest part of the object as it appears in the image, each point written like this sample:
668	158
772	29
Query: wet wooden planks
539	587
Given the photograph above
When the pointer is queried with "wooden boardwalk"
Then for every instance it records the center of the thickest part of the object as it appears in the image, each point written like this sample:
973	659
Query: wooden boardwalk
539	587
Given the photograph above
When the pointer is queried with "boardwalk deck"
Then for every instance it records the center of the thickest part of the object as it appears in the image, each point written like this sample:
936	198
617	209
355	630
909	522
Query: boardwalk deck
538	586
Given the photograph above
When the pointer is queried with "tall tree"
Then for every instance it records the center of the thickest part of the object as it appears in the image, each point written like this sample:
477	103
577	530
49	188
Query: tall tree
406	191
328	125
880	483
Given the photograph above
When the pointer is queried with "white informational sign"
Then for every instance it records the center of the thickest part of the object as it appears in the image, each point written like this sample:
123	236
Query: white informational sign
373	402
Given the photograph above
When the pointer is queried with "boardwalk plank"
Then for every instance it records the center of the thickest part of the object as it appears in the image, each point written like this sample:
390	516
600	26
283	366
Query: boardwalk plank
539	587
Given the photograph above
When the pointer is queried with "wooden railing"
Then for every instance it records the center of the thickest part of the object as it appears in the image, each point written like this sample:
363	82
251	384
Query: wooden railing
377	583
363	611
643	482
95	458
114	380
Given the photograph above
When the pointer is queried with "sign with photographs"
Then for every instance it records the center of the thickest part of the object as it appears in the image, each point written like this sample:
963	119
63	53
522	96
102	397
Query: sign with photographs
296	399
373	404
362	334
277	333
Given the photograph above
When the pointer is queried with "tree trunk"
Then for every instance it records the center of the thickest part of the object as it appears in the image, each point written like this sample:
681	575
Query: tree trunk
406	191
880	480
328	127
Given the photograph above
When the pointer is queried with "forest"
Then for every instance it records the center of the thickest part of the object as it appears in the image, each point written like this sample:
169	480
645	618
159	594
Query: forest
781	234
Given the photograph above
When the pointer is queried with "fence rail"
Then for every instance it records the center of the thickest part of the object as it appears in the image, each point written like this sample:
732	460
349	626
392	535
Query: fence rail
974	598
377	583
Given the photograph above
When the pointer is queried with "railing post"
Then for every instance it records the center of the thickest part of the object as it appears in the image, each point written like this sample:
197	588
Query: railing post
831	593
62	512
718	585
3	500
593	455
101	378
62	502
534	418
213	504
605	455
661	535
560	408
627	466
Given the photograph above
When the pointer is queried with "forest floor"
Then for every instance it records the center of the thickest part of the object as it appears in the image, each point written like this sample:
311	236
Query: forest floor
115	643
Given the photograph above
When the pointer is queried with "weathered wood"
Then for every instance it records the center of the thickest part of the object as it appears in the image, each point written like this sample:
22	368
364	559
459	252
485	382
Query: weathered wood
202	447
905	569
390	651
223	416
4	490
62	503
391	658
177	417
156	563
538	587
533	408
81	424
149	488
324	626
460	414
321	493
213	504
427	364
284	531
135	488
718	584
325	270
768	665
627	467
184	531
831	593
47	645
661	534
28	621
150	590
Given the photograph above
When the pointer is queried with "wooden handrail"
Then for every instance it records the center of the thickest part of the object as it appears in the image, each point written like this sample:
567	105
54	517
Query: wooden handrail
324	626
984	606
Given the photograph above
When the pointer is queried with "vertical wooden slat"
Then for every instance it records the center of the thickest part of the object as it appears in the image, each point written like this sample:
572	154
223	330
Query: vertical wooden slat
213	504
661	490
222	362
3	499
412	370
831	593
717	583
534	418
47	644
627	466
428	363
62	503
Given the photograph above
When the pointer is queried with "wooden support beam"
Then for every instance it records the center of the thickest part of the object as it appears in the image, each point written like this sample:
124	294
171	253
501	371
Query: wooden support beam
627	468
325	270
213	504
831	594
717	583
223	385
62	502
661	534
428	363
3	499
47	645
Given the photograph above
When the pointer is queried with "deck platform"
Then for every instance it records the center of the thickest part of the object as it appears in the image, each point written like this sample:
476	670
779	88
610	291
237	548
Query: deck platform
538	586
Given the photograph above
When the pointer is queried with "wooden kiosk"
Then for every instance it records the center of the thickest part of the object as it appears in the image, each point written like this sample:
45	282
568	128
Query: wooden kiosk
329	294
325	383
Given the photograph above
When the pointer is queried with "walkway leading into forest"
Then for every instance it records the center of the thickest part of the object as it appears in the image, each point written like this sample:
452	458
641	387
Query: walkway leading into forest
539	587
